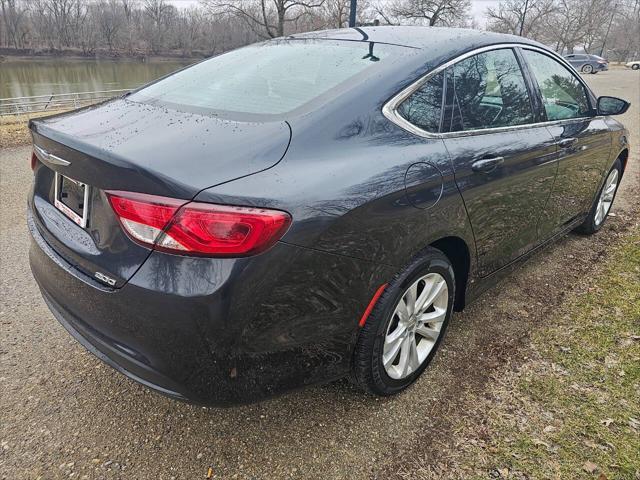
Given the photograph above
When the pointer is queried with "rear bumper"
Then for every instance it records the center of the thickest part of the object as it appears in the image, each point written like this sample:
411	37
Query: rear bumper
93	315
124	364
216	331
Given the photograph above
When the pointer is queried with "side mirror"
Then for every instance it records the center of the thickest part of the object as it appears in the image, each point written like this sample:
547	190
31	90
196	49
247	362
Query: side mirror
612	106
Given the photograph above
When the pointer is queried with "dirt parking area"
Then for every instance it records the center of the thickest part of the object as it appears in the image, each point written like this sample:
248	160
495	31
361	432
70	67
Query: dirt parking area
63	414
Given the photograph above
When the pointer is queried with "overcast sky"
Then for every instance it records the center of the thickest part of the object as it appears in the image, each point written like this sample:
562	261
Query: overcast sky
478	7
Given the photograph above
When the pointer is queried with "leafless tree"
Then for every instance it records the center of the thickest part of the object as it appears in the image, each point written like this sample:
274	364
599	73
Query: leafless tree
159	13
267	18
382	12
110	18
574	21
130	13
62	13
338	12
138	27
587	25
335	13
190	31
510	15
12	15
87	31
431	12
624	37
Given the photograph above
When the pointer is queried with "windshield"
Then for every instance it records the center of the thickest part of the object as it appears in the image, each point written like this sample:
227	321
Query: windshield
270	78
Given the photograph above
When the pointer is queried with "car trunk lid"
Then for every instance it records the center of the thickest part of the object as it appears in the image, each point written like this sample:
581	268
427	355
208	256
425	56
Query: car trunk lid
122	145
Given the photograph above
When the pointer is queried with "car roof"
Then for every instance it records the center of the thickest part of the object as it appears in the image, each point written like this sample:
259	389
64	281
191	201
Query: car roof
441	38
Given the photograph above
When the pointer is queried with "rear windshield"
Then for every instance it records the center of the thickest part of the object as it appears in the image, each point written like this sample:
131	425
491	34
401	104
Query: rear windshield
270	78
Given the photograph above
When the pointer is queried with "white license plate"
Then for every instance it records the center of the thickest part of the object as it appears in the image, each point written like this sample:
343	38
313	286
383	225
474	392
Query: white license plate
72	199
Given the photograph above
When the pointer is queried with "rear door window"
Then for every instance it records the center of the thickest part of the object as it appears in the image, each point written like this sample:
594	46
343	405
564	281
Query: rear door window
563	94
489	92
424	107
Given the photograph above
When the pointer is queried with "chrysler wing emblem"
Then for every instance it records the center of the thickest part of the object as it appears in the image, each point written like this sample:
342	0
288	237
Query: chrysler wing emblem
47	157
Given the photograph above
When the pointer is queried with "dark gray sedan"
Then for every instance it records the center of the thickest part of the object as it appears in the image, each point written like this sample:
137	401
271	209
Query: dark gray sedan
312	207
587	63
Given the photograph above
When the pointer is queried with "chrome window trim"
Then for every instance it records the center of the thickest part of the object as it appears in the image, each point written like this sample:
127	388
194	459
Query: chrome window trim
390	108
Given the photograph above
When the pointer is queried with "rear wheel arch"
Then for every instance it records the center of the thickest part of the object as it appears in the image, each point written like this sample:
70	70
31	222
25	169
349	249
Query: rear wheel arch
369	368
623	156
458	253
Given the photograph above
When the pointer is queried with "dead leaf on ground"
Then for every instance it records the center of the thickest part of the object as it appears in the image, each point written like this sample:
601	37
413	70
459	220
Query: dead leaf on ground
590	467
550	448
606	422
537	442
591	444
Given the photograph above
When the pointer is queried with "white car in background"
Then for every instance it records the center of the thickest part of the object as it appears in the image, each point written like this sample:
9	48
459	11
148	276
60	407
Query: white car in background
634	65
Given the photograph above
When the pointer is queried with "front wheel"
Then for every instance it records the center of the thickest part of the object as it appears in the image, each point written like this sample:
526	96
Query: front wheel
602	205
406	326
635	67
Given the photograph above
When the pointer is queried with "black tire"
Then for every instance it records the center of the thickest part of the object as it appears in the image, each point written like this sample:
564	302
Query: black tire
589	226
586	68
367	369
635	67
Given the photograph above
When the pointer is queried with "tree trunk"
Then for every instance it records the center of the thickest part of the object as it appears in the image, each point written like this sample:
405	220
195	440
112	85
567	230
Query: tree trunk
281	19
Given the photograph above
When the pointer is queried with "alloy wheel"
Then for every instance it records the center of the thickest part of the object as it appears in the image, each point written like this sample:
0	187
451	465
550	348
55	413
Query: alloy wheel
606	197
415	326
587	69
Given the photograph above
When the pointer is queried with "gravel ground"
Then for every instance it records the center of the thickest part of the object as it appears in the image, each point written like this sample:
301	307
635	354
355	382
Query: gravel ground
63	414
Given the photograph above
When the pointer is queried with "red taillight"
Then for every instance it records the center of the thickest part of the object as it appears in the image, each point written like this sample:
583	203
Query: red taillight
34	161
193	228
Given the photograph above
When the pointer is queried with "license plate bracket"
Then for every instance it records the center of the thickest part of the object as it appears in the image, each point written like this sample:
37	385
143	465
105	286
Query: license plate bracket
71	197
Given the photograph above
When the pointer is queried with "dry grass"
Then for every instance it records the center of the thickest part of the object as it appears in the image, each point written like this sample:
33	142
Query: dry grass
14	130
572	409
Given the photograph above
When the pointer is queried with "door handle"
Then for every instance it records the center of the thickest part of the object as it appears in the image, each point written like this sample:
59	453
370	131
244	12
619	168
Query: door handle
566	142
487	165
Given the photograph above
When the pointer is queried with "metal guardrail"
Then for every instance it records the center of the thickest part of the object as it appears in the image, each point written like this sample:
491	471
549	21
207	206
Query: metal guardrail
55	101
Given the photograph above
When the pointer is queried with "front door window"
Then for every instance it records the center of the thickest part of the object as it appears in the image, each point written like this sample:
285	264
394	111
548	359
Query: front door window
563	94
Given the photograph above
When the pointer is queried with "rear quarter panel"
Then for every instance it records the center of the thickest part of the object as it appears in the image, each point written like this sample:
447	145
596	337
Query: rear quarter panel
345	184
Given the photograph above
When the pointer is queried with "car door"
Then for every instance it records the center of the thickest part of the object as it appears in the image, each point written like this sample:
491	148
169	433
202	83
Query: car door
504	162
583	140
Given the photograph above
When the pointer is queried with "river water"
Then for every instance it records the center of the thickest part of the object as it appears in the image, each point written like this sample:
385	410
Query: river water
21	78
